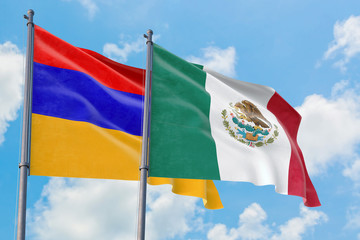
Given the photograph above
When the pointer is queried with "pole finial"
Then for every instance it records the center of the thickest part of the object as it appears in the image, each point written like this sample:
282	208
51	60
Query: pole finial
149	36
30	16
31	12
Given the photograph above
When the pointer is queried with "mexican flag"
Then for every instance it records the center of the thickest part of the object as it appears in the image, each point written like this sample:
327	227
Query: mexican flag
208	126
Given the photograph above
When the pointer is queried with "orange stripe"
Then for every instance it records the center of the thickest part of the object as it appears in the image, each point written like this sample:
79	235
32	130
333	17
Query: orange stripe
78	149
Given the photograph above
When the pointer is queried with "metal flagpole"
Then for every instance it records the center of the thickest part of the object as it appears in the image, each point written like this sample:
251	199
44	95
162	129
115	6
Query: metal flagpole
145	144
25	145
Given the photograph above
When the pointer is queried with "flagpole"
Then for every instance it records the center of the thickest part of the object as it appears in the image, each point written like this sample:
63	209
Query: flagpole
145	144
25	145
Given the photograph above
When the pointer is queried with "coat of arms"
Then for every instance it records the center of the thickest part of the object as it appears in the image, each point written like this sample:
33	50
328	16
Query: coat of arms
245	123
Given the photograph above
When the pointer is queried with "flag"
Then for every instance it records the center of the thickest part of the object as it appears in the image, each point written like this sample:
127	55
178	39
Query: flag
208	126
87	118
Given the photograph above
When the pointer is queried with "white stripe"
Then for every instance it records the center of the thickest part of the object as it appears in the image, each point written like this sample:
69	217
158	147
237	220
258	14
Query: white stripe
264	165
258	93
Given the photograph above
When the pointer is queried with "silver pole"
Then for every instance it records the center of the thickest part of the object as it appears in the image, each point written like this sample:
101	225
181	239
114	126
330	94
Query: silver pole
25	145
145	144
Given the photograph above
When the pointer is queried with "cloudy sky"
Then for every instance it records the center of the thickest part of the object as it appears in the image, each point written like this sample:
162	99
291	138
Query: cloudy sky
308	51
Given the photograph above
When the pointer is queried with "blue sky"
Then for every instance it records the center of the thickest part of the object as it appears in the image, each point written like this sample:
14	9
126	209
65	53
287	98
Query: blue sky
307	50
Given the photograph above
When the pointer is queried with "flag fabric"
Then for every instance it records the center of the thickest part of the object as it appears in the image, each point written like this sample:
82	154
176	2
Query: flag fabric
87	118
208	126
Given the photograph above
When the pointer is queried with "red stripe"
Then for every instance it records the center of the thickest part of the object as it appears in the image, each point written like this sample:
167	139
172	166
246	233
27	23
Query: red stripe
52	51
299	181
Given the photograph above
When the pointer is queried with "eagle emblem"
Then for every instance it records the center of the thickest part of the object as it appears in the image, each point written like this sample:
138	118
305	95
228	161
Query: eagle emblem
245	123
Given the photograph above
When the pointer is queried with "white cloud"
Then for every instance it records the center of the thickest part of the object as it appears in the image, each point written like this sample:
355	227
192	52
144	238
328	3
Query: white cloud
346	41
353	218
85	209
11	82
329	128
107	209
217	59
90	6
170	215
251	223
298	226
252	226
220	232
121	54
353	172
339	87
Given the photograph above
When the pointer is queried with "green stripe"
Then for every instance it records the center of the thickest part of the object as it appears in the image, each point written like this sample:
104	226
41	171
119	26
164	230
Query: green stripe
181	145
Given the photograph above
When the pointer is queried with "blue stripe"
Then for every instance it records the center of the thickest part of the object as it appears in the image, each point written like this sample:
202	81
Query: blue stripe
73	95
